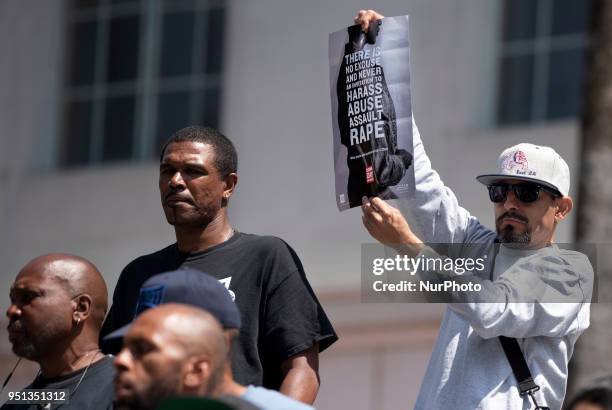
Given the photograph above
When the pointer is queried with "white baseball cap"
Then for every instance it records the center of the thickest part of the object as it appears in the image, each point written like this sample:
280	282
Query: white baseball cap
533	163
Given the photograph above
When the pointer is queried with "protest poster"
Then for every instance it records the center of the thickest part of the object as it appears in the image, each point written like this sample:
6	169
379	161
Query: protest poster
371	112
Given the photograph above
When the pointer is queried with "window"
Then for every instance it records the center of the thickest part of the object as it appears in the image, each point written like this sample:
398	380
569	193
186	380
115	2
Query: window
542	60
136	71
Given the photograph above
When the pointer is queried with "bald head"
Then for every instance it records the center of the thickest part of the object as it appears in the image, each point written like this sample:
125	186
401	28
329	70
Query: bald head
77	276
194	330
169	350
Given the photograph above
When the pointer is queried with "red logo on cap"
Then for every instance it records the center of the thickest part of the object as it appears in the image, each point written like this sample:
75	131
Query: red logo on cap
516	160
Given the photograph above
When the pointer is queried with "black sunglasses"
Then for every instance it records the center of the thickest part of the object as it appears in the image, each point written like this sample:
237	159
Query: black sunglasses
526	192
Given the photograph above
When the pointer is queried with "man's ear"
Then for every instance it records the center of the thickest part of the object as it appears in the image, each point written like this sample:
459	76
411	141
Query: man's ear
564	207
82	307
231	180
196	373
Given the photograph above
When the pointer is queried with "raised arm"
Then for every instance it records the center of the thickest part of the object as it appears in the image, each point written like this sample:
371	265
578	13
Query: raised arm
436	213
434	208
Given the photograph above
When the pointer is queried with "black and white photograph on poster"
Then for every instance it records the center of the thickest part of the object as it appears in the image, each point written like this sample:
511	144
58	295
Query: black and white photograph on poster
371	112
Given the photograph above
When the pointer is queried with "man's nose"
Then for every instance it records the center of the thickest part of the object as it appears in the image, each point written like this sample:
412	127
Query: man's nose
13	311
177	180
123	359
511	202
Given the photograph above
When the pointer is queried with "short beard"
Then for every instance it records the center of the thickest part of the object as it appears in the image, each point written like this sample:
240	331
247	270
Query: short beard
47	340
26	349
163	388
512	239
508	236
193	220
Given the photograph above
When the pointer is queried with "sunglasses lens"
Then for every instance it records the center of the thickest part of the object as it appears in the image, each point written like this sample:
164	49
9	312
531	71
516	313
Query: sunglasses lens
497	193
527	192
524	192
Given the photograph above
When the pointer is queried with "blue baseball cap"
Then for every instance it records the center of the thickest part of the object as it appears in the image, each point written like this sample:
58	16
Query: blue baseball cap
190	287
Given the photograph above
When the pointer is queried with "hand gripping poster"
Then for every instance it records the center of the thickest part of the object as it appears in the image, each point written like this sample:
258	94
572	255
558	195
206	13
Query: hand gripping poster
371	112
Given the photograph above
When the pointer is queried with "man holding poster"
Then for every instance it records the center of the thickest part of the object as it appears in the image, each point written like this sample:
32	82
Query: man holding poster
488	355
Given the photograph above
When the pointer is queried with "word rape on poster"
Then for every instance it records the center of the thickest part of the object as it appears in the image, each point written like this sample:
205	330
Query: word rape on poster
371	112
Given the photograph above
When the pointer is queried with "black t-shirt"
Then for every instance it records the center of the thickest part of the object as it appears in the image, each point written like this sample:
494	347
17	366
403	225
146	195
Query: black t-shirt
280	313
96	391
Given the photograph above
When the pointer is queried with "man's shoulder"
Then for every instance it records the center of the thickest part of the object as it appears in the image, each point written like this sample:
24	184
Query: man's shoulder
104	367
560	258
561	265
263	245
169	251
147	265
580	266
271	399
261	240
574	257
97	388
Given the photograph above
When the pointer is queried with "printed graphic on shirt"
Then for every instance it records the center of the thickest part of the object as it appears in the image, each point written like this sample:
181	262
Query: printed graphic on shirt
371	112
226	282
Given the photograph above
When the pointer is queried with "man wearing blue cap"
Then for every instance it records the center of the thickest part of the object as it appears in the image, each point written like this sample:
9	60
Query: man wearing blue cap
195	289
483	347
172	350
283	325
